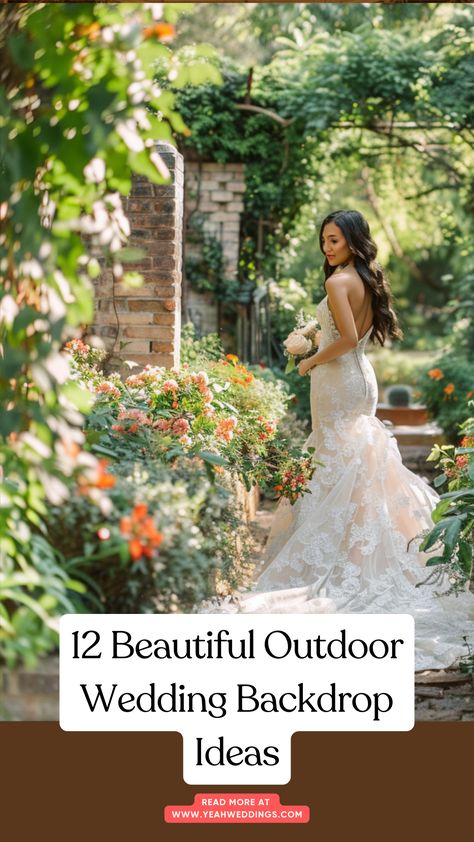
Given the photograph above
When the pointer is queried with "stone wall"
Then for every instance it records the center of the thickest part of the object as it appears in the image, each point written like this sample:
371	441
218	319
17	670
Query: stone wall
148	318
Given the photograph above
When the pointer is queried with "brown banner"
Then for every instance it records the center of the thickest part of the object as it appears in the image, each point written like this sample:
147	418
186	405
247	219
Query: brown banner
114	786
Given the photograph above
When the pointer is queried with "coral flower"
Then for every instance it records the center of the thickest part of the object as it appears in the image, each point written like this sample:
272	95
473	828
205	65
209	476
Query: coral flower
107	388
162	425
163	31
77	346
139	511
139	528
436	374
469	394
135	548
461	461
103	479
449	389
170	386
180	427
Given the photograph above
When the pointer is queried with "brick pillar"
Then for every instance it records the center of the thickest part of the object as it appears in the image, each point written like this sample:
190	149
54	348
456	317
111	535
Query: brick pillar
148	318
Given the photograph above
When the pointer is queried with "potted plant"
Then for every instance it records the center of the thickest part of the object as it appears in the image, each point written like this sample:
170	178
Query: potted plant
399	407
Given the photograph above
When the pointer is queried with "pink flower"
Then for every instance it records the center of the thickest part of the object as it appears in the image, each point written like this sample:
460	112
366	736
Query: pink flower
170	386
162	425
108	388
134	415
225	428
201	378
180	427
134	381
206	393
78	346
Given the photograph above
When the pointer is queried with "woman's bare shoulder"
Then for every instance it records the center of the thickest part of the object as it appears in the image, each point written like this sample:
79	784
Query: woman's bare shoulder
348	279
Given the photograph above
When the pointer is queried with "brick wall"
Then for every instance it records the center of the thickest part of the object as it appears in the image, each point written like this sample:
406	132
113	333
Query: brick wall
215	192
148	318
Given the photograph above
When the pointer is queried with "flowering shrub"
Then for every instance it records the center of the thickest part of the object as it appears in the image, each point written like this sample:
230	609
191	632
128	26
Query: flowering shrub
169	527
224	414
170	446
446	389
454	514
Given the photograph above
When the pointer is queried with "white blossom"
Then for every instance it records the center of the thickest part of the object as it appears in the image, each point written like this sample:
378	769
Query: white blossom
8	310
160	165
127	131
94	171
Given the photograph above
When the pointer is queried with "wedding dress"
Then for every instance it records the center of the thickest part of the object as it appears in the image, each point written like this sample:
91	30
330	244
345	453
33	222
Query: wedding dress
352	544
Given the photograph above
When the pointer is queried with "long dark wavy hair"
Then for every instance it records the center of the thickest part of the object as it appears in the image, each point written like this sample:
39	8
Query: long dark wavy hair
355	229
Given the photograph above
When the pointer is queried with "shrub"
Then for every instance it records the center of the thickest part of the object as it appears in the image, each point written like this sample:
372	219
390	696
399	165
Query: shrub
452	534
447	389
393	367
398	395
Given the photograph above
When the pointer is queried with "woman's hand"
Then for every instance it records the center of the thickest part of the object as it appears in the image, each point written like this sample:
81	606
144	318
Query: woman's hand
305	366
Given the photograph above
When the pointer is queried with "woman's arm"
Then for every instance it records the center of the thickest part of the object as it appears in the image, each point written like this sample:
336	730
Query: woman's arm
338	289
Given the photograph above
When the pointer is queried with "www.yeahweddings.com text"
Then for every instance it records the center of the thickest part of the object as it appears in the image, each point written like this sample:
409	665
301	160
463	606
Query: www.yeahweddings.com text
237	688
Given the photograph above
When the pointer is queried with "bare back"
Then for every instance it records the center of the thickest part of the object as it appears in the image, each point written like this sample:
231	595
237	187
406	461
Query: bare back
360	300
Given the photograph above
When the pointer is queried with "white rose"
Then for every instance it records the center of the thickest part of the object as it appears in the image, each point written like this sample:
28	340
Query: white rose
296	344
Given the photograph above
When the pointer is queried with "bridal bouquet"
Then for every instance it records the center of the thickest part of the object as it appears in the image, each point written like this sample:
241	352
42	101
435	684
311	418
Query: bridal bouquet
302	341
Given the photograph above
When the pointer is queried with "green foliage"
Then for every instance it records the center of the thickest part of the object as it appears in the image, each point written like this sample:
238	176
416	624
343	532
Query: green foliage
79	113
447	390
459	314
195	351
197	518
453	534
276	186
368	114
205	270
392	366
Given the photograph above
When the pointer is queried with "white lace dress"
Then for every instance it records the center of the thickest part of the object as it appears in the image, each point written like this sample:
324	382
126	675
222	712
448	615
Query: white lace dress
346	546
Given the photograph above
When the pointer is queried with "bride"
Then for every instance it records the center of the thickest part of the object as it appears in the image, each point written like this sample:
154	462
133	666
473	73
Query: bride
349	546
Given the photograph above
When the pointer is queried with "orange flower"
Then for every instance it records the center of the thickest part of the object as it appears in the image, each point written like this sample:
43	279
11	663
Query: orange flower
163	31
104	480
125	525
449	389
89	30
135	548
71	448
233	358
139	528
278	488
436	374
469	394
139	511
